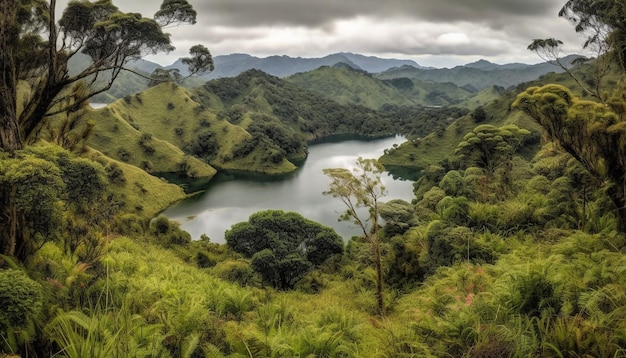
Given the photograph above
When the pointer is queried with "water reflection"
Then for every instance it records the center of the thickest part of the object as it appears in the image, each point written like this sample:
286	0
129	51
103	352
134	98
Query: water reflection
227	201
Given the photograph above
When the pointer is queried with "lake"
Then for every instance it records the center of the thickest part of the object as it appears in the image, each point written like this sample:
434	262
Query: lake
231	199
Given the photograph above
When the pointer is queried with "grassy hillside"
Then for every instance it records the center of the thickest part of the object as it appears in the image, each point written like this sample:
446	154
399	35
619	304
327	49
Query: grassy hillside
144	195
349	86
479	75
522	258
497	105
115	136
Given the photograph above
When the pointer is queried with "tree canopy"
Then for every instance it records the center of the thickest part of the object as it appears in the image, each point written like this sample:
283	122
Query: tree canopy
35	50
591	132
283	246
489	147
362	187
603	23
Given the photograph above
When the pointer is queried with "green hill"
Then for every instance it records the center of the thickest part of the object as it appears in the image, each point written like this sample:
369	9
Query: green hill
253	122
478	75
422	152
349	86
479	264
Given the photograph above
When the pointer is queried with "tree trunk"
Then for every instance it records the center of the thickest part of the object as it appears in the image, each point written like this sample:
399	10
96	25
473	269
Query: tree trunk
379	276
619	200
10	139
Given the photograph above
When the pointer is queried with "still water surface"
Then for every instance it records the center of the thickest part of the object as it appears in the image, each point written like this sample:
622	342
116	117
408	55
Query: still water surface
228	201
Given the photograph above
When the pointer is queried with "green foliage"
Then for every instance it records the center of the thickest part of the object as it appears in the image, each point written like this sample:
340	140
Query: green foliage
85	180
168	233
31	212
238	271
449	244
452	183
283	246
490	147
591	132
77	334
530	293
479	115
398	216
20	299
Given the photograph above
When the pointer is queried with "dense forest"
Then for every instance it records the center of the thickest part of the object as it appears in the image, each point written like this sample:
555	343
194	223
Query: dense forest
513	245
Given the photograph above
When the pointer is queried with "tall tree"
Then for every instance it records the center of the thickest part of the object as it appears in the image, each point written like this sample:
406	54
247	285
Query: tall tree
35	51
602	22
490	147
359	188
283	246
593	133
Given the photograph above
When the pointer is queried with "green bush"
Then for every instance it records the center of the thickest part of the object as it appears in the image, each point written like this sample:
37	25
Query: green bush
238	271
283	246
168	233
20	298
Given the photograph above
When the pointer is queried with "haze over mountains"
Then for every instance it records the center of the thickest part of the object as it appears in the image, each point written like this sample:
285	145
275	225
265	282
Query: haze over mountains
283	66
472	77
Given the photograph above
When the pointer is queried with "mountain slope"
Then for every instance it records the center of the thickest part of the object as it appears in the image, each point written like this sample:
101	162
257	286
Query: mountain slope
496	103
480	75
282	66
349	86
253	122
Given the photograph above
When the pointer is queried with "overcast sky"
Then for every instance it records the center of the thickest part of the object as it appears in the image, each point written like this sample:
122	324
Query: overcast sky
440	33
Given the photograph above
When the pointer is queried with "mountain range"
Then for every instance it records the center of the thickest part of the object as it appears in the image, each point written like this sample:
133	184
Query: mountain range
473	77
480	74
283	66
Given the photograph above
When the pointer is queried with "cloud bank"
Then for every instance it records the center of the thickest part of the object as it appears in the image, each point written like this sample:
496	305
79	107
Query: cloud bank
435	33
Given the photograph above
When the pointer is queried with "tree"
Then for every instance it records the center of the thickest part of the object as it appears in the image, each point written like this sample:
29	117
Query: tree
35	50
283	246
591	132
358	188
490	147
398	215
479	115
550	51
21	300
160	75
602	21
30	211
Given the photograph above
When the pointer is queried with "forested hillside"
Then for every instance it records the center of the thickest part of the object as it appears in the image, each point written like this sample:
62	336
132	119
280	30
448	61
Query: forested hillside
349	86
479	75
253	122
432	86
513	245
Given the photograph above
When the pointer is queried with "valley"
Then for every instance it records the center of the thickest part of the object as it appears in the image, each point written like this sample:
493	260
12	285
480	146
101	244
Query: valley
256	207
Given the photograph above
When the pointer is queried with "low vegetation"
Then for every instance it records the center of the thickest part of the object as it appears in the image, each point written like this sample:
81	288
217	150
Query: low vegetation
513	245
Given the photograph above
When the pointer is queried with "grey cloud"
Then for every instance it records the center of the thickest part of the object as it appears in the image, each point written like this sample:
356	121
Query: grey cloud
241	13
494	28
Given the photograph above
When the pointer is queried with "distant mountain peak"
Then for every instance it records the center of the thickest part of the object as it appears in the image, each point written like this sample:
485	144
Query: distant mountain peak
480	64
348	65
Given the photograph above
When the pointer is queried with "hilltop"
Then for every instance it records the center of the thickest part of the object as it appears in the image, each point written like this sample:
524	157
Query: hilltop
479	75
347	85
472	77
253	122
